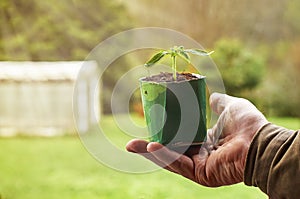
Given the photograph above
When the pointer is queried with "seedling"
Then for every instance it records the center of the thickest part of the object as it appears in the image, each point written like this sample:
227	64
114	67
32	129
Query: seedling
174	52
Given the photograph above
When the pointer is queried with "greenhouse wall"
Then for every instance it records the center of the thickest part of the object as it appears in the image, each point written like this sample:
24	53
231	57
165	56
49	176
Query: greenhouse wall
36	98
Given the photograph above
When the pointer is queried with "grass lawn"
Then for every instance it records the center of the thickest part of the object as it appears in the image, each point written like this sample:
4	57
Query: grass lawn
290	123
60	167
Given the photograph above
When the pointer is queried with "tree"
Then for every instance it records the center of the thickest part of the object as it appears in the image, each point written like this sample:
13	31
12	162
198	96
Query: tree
56	30
208	20
291	16
240	68
60	30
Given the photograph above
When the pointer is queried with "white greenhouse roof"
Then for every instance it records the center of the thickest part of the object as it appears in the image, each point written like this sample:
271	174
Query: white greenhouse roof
23	71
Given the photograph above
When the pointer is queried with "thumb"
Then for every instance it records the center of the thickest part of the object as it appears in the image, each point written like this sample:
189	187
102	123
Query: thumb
218	102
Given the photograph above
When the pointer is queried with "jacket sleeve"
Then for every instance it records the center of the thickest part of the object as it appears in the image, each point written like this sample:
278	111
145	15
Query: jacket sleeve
273	162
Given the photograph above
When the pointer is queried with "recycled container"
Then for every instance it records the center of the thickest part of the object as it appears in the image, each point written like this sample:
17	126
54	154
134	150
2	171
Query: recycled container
175	111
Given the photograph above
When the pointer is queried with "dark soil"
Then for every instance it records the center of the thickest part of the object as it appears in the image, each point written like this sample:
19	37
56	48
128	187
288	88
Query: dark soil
168	77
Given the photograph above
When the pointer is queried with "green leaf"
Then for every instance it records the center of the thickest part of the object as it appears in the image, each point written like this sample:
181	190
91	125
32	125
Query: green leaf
156	58
184	56
198	52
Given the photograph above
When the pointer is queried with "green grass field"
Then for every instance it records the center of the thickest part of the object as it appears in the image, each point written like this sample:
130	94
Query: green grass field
60	167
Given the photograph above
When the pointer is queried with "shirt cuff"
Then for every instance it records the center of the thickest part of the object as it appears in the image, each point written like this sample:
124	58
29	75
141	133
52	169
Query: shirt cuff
271	153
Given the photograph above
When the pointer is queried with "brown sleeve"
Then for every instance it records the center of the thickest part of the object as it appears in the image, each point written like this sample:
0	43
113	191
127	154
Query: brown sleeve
273	162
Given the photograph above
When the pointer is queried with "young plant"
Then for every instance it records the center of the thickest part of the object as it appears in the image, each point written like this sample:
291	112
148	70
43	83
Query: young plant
174	52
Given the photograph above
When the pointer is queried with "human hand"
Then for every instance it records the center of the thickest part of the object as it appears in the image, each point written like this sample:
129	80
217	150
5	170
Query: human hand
221	159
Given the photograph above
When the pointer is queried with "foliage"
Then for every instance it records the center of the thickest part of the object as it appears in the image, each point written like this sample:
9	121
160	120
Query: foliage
56	30
69	29
110	78
259	24
291	16
281	84
174	52
240	68
285	94
208	20
60	30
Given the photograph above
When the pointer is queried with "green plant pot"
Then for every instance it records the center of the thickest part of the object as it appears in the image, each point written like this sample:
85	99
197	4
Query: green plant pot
175	112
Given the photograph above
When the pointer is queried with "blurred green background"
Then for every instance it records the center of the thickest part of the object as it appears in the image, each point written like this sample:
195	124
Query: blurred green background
256	44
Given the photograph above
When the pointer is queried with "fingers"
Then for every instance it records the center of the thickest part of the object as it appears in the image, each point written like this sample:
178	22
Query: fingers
163	157
178	163
200	161
140	147
137	146
218	102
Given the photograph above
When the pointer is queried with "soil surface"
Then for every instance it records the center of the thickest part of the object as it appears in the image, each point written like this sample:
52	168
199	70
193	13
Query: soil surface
168	77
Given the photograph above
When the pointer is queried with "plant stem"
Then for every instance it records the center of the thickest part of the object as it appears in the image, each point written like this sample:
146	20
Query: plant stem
174	67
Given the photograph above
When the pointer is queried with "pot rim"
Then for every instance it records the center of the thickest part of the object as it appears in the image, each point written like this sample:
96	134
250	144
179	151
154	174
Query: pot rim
198	76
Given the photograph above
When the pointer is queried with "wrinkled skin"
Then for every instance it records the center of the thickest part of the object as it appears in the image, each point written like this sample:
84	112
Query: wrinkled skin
221	160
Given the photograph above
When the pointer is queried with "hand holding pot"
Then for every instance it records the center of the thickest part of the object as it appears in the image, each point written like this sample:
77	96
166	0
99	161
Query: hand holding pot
219	161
